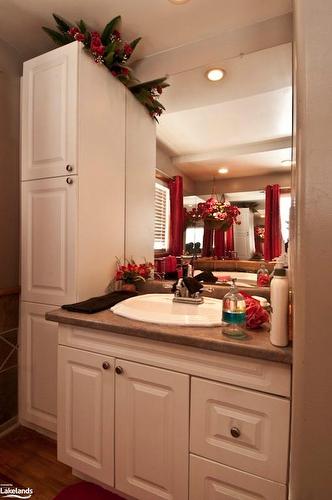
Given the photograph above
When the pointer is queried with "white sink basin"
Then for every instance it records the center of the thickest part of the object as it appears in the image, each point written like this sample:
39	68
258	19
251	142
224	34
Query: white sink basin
159	308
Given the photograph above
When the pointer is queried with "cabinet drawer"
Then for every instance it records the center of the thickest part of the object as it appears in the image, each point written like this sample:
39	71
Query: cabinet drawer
240	428
212	481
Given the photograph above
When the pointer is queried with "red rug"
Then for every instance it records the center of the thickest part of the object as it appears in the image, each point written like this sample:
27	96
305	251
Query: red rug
86	491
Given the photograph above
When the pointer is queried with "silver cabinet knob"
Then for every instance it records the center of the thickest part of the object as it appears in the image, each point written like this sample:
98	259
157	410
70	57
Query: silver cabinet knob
69	180
69	168
119	370
106	365
235	431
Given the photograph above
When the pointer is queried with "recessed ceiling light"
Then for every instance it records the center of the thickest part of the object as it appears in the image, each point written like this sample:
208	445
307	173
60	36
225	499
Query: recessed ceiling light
223	170
286	163
215	74
178	2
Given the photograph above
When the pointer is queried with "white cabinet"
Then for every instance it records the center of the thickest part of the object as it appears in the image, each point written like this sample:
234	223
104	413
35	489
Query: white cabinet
176	436
212	481
87	159
38	366
151	424
240	428
49	114
86	413
49	240
151	432
140	182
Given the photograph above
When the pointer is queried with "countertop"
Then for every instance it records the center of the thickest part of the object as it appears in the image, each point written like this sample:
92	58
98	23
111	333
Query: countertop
257	345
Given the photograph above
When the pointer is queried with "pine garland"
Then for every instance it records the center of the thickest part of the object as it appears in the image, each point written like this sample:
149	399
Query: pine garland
109	49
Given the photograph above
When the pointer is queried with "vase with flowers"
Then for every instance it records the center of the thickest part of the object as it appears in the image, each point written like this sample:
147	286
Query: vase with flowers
130	273
219	214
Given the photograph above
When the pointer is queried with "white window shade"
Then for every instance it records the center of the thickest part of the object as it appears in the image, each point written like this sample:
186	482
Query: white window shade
161	220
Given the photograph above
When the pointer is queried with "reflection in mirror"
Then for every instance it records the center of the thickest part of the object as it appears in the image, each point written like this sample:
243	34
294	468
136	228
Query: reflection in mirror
229	141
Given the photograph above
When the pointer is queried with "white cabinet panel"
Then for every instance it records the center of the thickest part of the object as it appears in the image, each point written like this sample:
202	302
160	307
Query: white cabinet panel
140	181
86	413
212	481
49	226
240	428
152	420
49	114
38	366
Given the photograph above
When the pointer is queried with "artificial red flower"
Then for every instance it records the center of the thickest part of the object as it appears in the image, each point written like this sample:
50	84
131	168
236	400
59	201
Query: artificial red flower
263	279
125	71
116	34
127	49
72	31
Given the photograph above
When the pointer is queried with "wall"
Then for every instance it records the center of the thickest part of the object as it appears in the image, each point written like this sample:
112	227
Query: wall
311	437
242	184
9	231
9	163
164	163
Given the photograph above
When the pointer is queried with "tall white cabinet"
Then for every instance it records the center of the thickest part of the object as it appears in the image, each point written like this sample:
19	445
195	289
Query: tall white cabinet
77	130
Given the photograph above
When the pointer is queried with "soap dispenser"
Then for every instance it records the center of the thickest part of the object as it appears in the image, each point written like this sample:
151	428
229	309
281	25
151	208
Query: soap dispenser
234	313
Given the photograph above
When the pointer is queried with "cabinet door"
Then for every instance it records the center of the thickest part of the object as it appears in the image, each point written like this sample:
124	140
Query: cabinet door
49	222
212	481
86	413
243	429
151	422
49	113
38	366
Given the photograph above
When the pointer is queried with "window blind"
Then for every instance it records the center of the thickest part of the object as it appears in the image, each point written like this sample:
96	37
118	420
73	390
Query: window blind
161	220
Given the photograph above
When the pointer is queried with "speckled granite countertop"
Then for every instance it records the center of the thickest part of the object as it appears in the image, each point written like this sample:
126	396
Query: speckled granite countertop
257	345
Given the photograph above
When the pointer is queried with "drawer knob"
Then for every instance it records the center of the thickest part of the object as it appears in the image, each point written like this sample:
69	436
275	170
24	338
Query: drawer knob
119	370
69	180
106	365
69	168
235	432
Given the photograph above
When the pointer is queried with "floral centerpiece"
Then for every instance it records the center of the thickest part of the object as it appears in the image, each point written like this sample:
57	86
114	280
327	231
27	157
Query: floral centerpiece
260	232
219	214
108	48
192	217
131	273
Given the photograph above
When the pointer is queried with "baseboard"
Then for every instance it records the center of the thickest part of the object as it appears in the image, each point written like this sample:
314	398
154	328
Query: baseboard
9	426
40	430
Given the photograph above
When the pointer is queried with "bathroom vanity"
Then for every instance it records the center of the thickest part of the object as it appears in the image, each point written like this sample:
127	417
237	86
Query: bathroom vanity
171	412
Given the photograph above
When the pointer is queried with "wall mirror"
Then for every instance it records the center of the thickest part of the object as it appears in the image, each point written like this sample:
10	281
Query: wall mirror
231	140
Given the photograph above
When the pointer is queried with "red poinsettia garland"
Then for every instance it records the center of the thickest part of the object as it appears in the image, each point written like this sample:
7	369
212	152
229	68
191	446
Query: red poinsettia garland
109	49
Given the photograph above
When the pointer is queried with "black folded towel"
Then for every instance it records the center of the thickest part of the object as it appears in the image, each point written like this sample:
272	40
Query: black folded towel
206	276
172	275
96	304
192	285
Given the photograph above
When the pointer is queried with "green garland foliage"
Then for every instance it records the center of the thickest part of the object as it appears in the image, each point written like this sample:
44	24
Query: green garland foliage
109	49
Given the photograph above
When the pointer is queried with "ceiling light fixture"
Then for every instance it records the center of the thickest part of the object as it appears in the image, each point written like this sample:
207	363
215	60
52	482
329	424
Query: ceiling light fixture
178	2
223	171
215	74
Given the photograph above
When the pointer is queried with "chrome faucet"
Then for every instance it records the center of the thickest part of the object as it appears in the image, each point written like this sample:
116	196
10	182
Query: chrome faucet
182	294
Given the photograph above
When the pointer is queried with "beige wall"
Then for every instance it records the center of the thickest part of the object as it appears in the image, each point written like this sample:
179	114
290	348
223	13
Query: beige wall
9	162
240	184
164	163
311	448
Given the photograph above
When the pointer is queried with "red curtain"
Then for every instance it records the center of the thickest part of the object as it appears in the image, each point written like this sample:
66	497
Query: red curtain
258	245
272	238
207	242
176	215
230	239
219	243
